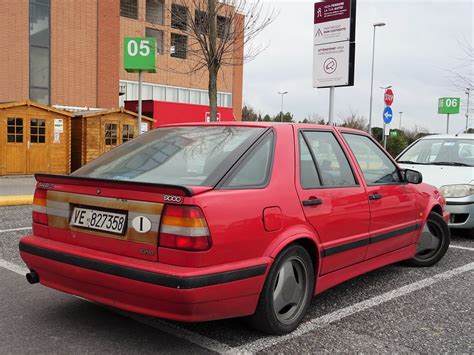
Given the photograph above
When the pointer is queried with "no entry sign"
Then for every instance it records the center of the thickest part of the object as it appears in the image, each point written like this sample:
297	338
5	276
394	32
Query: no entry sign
388	97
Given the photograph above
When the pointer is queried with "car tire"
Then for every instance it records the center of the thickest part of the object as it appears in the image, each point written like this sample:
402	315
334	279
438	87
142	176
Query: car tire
438	228
286	294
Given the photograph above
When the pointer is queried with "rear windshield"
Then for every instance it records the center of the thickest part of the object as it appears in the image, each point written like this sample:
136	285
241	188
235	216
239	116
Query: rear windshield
174	156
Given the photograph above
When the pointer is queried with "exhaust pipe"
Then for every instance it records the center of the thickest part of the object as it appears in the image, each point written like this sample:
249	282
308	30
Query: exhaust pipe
32	277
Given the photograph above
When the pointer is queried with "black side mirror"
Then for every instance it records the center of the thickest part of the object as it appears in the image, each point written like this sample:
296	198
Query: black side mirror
413	176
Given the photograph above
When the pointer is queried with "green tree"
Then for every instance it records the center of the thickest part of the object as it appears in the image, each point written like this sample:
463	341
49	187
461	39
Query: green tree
249	114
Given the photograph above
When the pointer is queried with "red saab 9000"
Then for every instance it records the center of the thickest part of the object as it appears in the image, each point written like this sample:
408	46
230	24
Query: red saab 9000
202	222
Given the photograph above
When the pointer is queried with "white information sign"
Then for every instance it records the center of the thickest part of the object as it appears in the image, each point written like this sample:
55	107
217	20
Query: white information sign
58	125
144	127
334	31
331	64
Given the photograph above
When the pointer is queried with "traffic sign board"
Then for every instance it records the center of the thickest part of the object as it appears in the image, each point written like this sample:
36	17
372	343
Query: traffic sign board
388	97
387	115
140	54
449	105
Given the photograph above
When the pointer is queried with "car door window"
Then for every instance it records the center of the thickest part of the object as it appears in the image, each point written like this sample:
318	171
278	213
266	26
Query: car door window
255	170
323	162
376	166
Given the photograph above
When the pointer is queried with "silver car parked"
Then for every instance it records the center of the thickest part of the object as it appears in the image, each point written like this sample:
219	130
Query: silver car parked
447	162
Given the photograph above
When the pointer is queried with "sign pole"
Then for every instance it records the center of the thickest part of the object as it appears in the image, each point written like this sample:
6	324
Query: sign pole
447	124
140	84
331	106
384	135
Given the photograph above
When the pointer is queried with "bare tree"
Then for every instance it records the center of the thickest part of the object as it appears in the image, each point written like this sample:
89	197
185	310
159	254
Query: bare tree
217	32
354	121
462	75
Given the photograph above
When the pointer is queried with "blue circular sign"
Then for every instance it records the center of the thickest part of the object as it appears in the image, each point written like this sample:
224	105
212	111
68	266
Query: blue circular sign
387	115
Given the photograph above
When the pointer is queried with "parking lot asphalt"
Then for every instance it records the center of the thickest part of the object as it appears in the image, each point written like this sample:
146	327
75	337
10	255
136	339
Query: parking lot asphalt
393	309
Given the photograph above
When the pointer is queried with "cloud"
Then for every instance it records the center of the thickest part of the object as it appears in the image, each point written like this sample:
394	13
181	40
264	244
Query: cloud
413	54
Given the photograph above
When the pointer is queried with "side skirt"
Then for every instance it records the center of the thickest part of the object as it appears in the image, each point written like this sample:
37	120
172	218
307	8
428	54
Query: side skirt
334	278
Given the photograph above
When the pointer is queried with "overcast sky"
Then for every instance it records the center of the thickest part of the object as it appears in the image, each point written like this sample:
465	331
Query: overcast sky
413	54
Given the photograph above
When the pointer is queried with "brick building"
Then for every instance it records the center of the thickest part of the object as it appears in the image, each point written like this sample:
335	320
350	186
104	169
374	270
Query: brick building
70	53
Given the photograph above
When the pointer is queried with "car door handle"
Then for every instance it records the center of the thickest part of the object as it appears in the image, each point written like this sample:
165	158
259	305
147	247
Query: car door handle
312	202
375	196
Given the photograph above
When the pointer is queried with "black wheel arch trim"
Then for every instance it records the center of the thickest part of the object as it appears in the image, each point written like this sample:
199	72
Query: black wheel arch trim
142	275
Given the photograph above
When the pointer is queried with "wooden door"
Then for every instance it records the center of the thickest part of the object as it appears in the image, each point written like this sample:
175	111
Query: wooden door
16	145
37	144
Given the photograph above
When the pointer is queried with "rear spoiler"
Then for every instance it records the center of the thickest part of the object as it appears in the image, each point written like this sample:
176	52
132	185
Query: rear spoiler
86	181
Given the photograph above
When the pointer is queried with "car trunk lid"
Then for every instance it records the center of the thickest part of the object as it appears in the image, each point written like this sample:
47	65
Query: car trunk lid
119	217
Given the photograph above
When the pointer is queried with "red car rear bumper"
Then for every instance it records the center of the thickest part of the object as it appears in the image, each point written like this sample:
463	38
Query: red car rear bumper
166	291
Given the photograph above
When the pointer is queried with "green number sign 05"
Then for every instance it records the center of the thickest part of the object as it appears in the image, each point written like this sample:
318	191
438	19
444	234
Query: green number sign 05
449	105
140	54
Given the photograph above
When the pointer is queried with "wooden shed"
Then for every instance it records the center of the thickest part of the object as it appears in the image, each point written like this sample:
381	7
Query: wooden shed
94	133
34	139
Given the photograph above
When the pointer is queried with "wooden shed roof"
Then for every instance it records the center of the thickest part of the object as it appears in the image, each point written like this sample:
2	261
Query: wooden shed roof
34	104
87	114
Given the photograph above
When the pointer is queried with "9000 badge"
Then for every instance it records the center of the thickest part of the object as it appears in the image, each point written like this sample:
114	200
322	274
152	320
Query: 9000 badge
170	198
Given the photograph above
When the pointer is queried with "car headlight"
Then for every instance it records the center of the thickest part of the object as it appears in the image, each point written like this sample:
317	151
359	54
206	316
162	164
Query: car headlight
457	190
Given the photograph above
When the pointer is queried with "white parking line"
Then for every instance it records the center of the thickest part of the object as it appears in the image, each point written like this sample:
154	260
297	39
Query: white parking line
266	342
327	319
164	326
179	332
13	267
461	247
15	229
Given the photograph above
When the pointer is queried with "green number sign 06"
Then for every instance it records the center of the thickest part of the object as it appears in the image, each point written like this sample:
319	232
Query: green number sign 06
449	105
140	54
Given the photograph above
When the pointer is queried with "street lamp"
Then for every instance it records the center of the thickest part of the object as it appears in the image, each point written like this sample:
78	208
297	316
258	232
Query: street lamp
282	93
379	24
468	92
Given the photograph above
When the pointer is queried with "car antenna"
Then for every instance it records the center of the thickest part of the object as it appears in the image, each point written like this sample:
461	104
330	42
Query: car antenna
461	131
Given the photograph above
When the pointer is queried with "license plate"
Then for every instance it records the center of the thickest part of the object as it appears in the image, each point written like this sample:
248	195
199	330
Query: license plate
99	220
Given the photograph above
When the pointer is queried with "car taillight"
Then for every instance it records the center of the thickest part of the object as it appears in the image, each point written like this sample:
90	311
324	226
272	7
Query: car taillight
39	207
184	228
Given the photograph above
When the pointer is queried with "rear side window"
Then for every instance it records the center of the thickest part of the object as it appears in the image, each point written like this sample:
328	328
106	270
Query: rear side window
376	166
175	156
255	170
328	166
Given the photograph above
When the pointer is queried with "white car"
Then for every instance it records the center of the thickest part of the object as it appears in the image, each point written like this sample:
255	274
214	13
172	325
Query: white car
447	162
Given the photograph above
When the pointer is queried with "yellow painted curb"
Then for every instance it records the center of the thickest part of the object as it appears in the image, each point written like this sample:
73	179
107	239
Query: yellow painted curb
16	200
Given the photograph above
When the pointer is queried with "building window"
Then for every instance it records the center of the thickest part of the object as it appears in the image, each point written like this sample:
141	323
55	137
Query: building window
223	27
39	40
129	8
150	32
179	46
183	96
159	93
179	17
155	11
14	130
128	133
38	131
111	134
202	21
172	94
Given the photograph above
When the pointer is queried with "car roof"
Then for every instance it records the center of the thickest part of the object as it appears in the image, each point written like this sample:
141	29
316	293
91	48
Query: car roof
449	136
267	125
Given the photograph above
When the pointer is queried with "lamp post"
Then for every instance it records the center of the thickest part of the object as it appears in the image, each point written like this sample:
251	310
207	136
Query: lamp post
400	122
468	93
380	24
282	93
